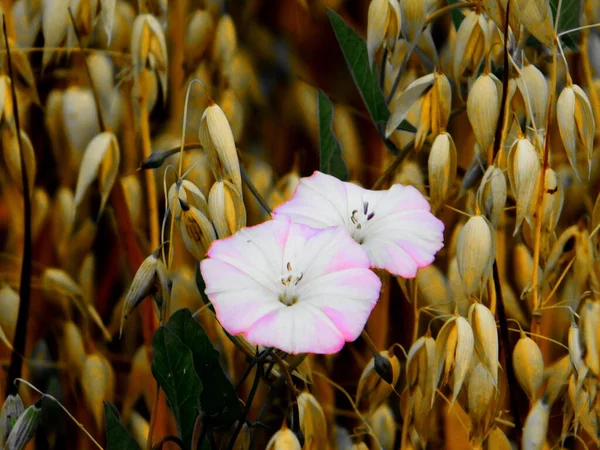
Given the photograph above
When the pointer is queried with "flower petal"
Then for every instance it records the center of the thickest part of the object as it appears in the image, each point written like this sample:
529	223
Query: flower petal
319	201
347	297
297	329
239	300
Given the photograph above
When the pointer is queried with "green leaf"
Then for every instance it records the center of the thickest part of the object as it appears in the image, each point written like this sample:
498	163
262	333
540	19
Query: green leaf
219	401
354	49
173	368
117	437
570	12
332	160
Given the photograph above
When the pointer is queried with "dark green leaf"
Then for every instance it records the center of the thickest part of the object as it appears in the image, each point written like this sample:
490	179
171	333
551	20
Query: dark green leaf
570	12
219	402
332	160
354	49
117	437
173	368
157	159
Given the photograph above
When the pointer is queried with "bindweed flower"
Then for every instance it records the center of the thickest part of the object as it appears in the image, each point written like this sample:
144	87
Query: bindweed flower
290	286
395	227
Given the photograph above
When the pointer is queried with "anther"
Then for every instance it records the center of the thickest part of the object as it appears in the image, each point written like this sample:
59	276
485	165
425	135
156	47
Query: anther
370	216
365	207
289	267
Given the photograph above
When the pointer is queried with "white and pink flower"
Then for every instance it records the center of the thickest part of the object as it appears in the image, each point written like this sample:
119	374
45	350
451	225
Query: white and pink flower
395	227
291	286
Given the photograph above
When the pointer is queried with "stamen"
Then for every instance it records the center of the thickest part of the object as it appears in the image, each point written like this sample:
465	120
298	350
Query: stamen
353	218
365	208
298	279
289	267
370	216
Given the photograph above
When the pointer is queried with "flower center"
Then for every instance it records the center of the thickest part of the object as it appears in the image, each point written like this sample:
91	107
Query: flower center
289	280
360	219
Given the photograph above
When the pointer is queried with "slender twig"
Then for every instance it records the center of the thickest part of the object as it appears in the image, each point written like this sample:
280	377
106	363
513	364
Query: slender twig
409	50
50	397
498	141
16	361
505	347
432	17
254	191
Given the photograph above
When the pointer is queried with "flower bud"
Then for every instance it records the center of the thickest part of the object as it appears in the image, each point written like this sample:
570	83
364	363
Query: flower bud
226	208
475	253
383	26
218	142
11	410
558	377
421	367
225	42
97	384
442	168
524	168
534	87
188	192
472	42
196	230
312	421
199	34
482	390
24	428
483	110
529	366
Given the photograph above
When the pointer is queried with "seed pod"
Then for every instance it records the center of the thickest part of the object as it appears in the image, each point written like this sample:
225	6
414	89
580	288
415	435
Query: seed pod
55	22
196	230
100	160
57	283
383	26
84	15
421	367
486	338
483	110
524	167
536	17
433	289
11	410
139	381
404	101
442	169
472	42
553	201
150	279
497	440
590	319
534	87
24	428
475	253
284	439
576	124
225	43
558	377
218	142
9	310
226	208
74	348
97	384
384	427
199	34
188	192
79	119
312	421
40	210
414	13
529	366
454	350
536	425
441	103
491	195
372	389
481	393
576	350
149	50
12	157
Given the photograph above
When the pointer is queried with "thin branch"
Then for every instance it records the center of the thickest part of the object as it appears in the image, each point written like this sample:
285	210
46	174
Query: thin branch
254	191
392	167
16	361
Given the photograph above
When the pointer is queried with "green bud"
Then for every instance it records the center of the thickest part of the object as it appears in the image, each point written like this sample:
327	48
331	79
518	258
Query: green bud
11	410
24	429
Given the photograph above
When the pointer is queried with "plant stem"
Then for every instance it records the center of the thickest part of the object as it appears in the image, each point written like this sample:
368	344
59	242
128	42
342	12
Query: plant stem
20	337
502	119
440	12
253	389
409	50
535	318
392	167
254	191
